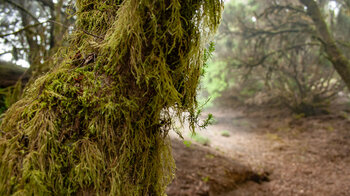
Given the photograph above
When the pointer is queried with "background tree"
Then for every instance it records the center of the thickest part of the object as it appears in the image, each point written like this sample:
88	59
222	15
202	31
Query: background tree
32	30
276	47
98	122
335	55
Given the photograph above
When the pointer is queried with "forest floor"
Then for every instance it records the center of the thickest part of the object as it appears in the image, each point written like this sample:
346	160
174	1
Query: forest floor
265	151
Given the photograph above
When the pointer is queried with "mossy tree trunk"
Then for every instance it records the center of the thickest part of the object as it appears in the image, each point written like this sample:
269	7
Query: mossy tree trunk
98	122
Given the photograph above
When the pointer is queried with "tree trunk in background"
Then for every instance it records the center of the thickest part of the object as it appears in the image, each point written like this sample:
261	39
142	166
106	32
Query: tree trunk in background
98	123
338	59
35	47
40	38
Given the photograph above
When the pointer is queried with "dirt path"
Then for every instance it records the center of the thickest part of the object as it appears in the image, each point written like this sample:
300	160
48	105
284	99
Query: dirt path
302	156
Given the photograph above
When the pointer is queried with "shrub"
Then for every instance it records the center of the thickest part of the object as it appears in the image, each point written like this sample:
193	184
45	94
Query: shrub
200	139
225	133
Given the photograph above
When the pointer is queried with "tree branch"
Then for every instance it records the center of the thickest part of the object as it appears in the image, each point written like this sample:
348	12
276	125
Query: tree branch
266	56
40	23
338	59
22	9
47	3
280	8
23	29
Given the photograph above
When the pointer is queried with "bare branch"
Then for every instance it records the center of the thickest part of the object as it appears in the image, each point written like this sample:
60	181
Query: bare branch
23	29
22	9
6	52
48	3
279	8
282	50
40	23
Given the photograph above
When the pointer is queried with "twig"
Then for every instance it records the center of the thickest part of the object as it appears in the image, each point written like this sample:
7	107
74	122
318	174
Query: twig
40	23
23	9
23	29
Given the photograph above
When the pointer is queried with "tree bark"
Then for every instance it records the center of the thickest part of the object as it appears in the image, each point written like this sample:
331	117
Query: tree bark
335	55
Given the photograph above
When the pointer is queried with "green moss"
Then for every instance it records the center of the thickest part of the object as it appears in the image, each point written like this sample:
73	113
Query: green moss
98	122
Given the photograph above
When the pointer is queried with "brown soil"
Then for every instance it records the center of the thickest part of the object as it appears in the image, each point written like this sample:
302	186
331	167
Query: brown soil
202	171
302	155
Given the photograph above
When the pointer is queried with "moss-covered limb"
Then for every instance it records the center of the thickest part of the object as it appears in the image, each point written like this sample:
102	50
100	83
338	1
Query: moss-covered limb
98	122
10	73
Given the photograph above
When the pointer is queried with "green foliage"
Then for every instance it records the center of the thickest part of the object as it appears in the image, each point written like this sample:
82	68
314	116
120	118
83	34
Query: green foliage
298	116
98	122
225	133
208	121
200	139
215	81
208	53
206	179
187	143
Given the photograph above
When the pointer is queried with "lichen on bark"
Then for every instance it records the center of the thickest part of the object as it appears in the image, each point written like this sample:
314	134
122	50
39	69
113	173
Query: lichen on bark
98	122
